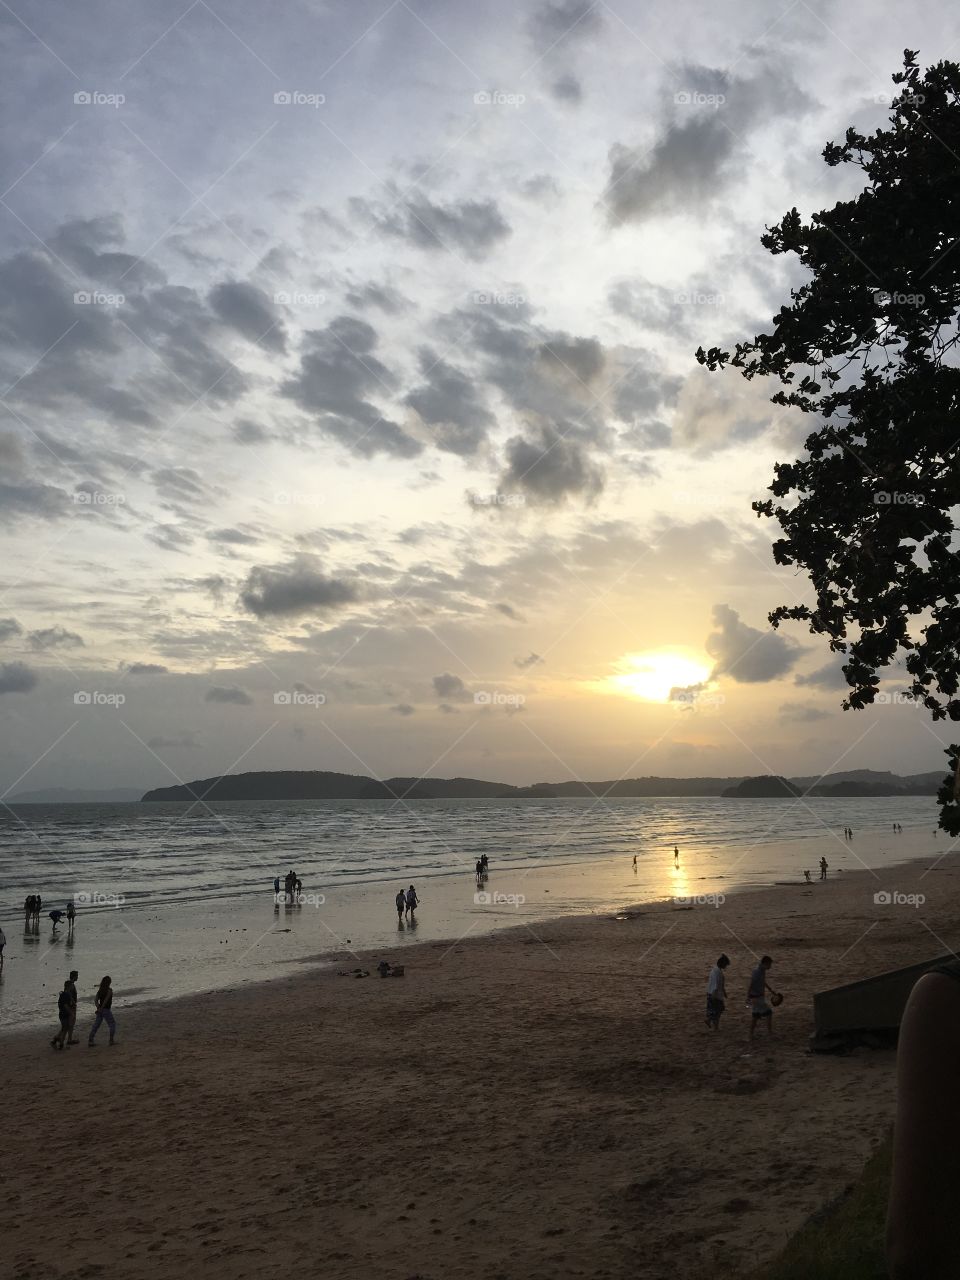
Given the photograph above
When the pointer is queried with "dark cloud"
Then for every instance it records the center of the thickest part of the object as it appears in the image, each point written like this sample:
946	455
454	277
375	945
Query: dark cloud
828	677
448	404
567	88
532	660
9	627
339	372
549	468
298	588
450	688
745	654
509	611
403	709
250	312
565	21
54	638
16	677
40	501
232	537
447	710
470	227
146	669
245	431
88	244
384	297
229	694
703	145
169	537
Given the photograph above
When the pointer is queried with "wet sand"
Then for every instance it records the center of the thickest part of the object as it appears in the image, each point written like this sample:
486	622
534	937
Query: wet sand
544	1102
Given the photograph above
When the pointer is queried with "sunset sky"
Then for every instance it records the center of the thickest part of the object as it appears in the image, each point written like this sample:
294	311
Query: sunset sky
351	416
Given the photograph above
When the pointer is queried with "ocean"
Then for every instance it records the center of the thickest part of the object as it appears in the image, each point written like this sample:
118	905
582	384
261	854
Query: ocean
178	898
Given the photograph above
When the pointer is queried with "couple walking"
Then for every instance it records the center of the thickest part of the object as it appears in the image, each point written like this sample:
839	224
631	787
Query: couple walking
407	902
67	1013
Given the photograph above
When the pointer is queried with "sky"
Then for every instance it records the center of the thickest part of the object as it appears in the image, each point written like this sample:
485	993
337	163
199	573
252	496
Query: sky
351	416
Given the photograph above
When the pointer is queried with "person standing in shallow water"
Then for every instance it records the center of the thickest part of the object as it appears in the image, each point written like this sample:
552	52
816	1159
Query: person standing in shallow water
823	868
103	1002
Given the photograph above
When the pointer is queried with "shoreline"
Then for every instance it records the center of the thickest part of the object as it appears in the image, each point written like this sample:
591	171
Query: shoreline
534	1103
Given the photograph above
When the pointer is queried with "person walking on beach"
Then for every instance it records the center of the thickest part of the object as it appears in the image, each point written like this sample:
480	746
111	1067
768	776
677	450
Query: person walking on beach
412	902
64	1001
485	864
103	1002
401	904
71	986
3	943
37	904
823	868
634	862
71	915
757	996
676	856
479	870
276	887
716	993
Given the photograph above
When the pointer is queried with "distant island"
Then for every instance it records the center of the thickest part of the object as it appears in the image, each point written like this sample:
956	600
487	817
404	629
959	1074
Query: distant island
321	785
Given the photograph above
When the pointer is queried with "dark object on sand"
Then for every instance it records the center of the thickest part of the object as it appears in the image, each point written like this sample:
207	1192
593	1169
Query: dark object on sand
866	1012
776	999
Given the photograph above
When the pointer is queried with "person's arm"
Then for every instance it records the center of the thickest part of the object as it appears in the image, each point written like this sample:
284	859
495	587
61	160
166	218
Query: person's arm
922	1239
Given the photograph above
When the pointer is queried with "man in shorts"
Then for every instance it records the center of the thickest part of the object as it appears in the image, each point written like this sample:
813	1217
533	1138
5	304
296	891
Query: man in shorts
760	1011
716	993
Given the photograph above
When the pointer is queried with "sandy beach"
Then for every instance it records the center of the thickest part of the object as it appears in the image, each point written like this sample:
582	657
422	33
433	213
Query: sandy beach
543	1102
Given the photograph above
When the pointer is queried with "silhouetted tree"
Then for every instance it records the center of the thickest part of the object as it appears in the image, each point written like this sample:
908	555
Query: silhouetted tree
869	345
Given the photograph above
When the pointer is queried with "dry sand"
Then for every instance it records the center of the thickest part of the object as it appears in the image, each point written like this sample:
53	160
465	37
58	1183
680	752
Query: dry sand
519	1106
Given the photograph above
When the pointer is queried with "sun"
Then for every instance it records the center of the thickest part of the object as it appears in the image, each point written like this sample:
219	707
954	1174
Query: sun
652	675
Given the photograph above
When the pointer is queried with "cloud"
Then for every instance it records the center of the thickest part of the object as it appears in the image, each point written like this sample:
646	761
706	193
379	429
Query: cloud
470	227
509	611
827	677
146	669
745	654
16	677
447	710
339	372
800	712
403	709
250	312
228	694
9	627
448	404
550	468
703	145
450	688
245	431
54	638
232	537
43	501
567	88
296	588
532	660
565	21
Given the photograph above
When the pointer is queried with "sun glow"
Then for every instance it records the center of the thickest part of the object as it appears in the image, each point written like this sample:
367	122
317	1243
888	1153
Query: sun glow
651	676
